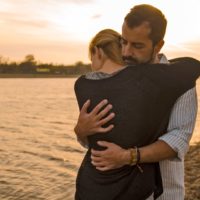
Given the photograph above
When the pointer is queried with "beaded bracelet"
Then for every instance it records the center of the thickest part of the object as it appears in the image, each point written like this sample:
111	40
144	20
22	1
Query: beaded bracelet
138	160
138	155
135	158
133	154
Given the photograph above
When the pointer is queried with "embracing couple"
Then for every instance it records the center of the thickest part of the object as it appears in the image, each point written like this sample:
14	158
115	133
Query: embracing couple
137	113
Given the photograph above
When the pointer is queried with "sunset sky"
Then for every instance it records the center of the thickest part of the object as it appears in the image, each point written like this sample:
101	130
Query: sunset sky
59	31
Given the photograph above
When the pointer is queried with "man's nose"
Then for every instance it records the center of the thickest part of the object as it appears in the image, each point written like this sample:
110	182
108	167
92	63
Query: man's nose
127	50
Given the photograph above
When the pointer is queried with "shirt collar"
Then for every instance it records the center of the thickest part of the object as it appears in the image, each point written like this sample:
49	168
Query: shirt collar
162	58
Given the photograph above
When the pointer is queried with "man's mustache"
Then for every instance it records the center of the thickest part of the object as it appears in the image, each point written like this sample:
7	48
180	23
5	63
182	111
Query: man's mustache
129	60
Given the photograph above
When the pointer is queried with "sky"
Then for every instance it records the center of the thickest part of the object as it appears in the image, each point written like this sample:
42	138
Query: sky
59	31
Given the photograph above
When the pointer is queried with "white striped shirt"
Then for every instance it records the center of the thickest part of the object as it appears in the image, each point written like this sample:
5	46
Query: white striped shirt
180	128
179	133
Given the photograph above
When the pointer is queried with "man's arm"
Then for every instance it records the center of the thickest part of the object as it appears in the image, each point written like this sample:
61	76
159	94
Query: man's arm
115	156
181	124
174	144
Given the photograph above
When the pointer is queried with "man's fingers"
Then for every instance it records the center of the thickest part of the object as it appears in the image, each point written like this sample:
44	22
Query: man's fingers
104	144
99	106
96	153
98	164
106	119
104	112
96	159
103	168
85	106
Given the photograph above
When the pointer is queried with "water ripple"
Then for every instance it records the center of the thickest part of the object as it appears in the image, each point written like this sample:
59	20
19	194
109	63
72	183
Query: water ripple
39	154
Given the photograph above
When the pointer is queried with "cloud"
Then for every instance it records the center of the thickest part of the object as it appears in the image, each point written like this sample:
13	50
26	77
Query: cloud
40	13
97	16
191	49
20	2
73	1
35	24
16	19
66	52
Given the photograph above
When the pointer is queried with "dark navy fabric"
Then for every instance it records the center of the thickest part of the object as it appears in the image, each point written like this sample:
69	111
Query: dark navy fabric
142	97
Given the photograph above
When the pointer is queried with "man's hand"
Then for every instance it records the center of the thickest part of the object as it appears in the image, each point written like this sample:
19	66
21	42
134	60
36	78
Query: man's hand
111	158
90	123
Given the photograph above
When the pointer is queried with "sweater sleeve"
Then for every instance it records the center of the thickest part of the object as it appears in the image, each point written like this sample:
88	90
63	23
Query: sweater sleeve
181	123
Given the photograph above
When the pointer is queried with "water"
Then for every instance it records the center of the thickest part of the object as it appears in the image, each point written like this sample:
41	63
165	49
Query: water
39	155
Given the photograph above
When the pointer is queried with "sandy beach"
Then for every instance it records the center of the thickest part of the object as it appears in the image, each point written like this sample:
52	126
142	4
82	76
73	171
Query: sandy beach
192	172
192	161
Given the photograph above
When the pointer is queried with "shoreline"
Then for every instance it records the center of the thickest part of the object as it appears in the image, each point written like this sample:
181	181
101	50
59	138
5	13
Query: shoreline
37	76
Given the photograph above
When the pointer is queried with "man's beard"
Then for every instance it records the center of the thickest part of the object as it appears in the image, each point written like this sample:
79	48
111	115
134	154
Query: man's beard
129	60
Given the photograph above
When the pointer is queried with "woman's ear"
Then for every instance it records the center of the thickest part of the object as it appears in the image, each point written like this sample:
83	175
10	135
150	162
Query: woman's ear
101	53
99	58
98	52
95	50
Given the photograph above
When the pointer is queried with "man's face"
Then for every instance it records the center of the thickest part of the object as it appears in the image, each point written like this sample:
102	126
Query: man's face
137	47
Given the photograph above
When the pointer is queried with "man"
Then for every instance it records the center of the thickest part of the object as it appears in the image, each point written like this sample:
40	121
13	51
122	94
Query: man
143	31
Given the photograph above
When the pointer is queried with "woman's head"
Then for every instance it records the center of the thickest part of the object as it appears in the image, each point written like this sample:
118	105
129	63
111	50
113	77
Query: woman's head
106	42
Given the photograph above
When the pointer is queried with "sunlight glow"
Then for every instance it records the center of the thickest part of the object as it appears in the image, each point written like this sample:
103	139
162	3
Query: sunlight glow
39	25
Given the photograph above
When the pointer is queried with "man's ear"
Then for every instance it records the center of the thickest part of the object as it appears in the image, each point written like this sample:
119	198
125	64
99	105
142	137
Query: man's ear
159	46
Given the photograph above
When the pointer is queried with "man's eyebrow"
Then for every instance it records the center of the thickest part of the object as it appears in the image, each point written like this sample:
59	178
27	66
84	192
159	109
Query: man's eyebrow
136	43
133	43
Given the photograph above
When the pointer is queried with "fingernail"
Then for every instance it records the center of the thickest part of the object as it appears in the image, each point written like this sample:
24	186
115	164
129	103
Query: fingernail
105	101
99	142
88	101
110	106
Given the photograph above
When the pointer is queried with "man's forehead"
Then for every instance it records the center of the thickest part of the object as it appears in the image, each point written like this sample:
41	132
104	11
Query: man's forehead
145	25
138	34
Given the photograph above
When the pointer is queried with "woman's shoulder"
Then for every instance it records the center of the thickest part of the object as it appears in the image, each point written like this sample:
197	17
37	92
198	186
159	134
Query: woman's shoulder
97	75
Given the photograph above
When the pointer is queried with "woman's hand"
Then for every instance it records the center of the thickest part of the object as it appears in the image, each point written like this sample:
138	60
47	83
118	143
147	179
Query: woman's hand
91	123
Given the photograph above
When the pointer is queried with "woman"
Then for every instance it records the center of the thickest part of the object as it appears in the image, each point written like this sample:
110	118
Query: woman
139	94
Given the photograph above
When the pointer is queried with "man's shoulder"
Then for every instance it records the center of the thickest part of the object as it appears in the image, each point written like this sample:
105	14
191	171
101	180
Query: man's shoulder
188	60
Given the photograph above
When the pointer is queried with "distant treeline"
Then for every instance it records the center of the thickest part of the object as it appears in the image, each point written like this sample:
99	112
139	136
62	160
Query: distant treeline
30	66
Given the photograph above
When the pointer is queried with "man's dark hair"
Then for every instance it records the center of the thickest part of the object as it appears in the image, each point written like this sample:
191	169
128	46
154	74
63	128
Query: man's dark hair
153	16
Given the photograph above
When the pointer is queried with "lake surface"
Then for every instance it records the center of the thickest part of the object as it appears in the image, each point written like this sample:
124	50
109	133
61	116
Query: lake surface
39	155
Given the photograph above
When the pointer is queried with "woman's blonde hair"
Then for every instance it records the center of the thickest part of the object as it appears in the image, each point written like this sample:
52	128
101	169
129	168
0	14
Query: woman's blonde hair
109	41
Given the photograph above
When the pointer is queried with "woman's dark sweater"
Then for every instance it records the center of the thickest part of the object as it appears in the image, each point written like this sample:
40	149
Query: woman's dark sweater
142	97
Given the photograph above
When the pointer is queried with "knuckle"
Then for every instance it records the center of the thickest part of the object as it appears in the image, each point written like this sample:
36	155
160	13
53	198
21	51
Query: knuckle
99	123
